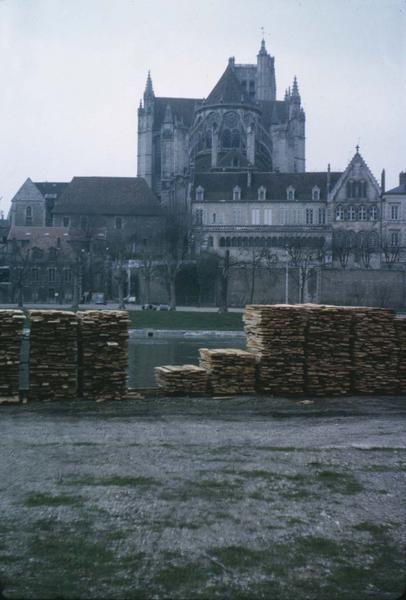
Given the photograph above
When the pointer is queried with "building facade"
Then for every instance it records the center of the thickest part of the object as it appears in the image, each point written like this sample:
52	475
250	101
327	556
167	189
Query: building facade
239	125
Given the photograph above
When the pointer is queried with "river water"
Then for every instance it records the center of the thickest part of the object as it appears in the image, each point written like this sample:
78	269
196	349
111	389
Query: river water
147	353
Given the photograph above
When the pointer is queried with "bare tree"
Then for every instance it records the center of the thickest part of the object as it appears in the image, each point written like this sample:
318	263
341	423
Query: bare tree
390	249
306	254
343	246
176	250
20	259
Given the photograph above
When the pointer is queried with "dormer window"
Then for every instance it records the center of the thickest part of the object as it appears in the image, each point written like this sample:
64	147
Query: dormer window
118	223
199	194
290	193
262	193
316	193
237	193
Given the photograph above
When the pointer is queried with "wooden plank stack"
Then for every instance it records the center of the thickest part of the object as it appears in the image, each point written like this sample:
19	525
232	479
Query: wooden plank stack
327	350
400	326
374	351
103	354
231	371
11	331
276	334
53	355
181	379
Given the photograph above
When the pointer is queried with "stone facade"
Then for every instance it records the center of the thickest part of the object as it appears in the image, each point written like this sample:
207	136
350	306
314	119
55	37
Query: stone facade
239	125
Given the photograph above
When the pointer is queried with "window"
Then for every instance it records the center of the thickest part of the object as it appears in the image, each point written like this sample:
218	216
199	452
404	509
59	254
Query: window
35	274
210	243
235	163
67	275
118	223
268	216
66	221
255	216
394	238
322	216
261	193
28	216
394	212
237	193
199	216
316	193
352	213
309	216
58	242
362	213
235	139
199	194
374	213
213	219
357	189
290	193
51	275
340	215
226	138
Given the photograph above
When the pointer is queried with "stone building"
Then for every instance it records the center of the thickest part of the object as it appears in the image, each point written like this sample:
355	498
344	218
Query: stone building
76	238
394	222
239	125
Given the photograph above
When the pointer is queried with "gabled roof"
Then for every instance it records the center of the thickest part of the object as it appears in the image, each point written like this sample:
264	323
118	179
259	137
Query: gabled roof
228	90
219	186
346	174
183	109
129	196
50	187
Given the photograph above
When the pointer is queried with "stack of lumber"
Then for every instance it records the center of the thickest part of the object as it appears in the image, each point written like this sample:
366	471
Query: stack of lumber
374	351
103	354
327	350
231	371
181	379
53	355
11	331
400	326
276	334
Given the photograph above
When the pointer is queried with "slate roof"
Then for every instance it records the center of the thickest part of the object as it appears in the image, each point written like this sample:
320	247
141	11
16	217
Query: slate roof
219	186
228	90
399	190
183	109
42	237
129	196
50	187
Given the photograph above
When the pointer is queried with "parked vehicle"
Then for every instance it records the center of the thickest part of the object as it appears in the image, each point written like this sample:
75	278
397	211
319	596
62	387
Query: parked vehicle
98	298
164	307
130	299
149	307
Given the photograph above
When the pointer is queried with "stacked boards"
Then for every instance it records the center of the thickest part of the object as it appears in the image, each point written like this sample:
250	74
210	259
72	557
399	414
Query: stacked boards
276	335
400	326
230	370
53	355
374	351
181	379
328	368
11	331
103	354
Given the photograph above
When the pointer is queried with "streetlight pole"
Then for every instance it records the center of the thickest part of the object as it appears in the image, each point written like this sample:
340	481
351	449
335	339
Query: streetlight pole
287	278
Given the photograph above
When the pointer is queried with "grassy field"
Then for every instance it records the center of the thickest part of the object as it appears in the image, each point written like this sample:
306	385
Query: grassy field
151	319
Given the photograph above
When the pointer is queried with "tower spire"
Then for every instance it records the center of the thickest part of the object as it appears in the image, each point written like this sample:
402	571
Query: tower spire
149	90
295	88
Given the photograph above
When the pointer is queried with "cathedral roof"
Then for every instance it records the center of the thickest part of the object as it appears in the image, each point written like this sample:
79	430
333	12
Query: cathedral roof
228	89
108	196
273	112
182	110
219	186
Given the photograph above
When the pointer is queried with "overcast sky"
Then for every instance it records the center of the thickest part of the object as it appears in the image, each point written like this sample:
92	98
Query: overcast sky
72	73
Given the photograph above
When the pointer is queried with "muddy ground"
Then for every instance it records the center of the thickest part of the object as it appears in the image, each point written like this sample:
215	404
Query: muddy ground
238	498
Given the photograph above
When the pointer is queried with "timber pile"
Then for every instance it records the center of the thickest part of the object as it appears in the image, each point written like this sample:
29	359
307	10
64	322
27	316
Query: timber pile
400	326
374	351
103	354
181	379
11	331
328	350
276	334
53	355
231	371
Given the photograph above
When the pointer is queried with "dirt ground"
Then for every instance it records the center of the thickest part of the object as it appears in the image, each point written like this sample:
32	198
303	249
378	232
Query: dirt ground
198	498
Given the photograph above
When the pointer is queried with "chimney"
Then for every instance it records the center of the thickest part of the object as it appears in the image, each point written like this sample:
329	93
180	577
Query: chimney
402	178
